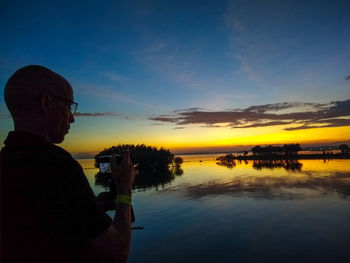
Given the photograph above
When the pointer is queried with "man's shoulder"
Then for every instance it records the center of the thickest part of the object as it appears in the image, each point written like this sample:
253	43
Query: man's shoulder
26	148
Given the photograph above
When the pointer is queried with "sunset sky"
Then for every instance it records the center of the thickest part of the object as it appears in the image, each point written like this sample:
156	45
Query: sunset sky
188	75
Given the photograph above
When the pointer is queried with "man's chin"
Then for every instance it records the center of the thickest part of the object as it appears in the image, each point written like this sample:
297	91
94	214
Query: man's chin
58	139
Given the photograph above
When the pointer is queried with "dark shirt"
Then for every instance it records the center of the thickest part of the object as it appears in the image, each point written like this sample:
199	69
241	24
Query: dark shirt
48	210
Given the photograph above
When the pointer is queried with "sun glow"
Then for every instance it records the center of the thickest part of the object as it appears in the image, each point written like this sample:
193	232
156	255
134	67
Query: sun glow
201	139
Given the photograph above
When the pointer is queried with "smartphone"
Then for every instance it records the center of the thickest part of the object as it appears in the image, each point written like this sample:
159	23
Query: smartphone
104	162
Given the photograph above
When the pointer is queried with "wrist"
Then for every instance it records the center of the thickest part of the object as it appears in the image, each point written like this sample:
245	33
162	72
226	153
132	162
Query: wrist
123	199
124	190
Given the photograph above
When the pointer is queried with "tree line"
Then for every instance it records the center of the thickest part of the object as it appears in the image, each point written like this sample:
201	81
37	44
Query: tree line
344	148
287	149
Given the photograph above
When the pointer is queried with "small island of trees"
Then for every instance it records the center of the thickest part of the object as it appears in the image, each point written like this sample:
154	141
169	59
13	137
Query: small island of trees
280	155
155	166
344	148
288	150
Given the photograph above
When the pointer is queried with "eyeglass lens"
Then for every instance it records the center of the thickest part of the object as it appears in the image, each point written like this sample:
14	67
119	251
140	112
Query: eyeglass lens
73	108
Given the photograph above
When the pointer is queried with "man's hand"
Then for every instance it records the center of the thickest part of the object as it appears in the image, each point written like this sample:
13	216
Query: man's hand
123	174
106	201
113	245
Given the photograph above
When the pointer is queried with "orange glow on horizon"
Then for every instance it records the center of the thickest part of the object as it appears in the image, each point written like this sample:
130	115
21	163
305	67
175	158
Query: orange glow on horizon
206	139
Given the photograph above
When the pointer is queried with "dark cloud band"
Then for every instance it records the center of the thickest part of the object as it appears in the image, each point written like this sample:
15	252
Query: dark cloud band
96	114
298	116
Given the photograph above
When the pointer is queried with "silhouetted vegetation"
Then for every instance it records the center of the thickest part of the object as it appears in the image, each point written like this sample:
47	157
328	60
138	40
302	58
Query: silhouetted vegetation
227	160
344	148
155	166
230	160
287	149
178	161
285	152
289	165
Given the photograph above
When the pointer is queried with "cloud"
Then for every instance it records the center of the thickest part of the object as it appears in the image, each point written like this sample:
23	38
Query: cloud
155	47
282	106
248	68
176	63
111	94
189	109
116	77
95	114
101	114
330	123
164	118
295	114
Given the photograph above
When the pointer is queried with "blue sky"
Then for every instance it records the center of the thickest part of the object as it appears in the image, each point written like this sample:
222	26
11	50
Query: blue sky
136	60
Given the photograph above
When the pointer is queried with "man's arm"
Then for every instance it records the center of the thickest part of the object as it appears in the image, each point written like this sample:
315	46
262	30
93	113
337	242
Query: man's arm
114	244
106	201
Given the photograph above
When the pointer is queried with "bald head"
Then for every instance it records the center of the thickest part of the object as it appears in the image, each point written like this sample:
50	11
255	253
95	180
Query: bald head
27	84
39	102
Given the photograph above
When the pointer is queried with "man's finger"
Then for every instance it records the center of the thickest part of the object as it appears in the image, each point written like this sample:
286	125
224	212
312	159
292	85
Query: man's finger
114	162
126	156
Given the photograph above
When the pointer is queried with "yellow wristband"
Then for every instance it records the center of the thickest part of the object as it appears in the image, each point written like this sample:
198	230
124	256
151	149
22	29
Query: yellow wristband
125	199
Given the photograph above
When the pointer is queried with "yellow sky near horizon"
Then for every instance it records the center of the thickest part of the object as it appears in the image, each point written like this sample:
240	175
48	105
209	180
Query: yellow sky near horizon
84	137
198	138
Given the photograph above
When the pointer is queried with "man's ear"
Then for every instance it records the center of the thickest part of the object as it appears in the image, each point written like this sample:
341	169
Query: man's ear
46	104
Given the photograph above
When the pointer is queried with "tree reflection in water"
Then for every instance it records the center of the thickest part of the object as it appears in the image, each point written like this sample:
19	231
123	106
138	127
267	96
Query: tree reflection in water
289	165
227	164
304	185
144	179
227	160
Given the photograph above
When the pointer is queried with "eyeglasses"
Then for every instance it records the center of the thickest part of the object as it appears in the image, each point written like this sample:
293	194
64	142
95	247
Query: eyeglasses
72	104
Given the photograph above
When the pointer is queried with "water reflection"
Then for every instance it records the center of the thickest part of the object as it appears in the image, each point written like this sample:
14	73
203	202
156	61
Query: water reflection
278	179
144	179
248	215
270	187
289	165
284	180
230	164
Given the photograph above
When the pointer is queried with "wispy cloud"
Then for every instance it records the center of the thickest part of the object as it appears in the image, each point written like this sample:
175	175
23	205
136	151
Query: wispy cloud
189	109
99	114
333	114
115	77
176	63
248	69
244	43
168	61
110	94
155	47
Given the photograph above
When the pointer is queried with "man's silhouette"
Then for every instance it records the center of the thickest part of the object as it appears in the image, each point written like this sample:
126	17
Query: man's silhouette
48	210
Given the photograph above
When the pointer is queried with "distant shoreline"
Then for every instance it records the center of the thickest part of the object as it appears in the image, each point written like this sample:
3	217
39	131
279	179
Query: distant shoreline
251	157
291	157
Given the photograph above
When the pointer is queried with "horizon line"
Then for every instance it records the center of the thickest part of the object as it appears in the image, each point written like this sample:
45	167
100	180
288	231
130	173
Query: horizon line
218	149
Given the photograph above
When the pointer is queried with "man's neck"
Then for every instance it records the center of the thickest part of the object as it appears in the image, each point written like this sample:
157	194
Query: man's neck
34	130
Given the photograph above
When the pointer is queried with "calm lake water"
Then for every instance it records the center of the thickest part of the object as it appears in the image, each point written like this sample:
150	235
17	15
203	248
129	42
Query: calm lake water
246	213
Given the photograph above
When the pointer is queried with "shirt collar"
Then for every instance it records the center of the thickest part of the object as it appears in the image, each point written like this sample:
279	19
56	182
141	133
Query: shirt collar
21	138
